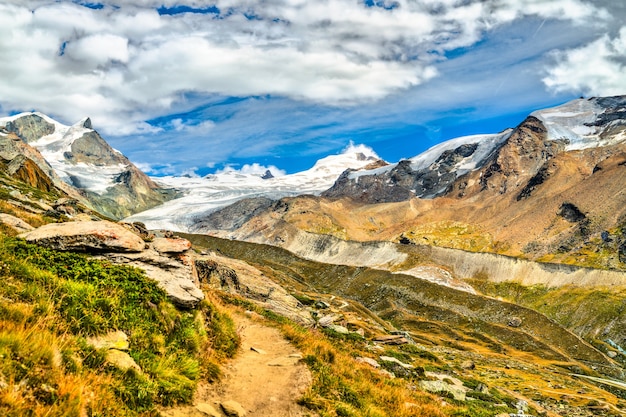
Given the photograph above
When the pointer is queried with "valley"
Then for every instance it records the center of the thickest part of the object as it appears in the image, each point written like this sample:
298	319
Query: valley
484	277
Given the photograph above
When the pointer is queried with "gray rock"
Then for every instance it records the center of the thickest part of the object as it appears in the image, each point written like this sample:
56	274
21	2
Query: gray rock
393	360
173	275
208	410
371	362
88	236
121	360
171	245
30	127
440	386
514	322
233	409
339	329
326	321
14	223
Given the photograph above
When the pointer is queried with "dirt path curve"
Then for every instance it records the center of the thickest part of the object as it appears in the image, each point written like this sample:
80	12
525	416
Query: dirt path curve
266	376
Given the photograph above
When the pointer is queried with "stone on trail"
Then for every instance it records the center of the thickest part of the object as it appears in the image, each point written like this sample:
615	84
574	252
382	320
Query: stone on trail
208	410
233	409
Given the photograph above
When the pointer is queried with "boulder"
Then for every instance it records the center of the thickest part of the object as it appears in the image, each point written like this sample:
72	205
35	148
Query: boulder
339	329
19	225
233	409
171	245
208	410
326	321
87	236
393	360
391	339
514	322
371	362
173	274
458	393
121	360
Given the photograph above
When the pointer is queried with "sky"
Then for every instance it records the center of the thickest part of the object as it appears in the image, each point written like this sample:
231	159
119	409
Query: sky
195	86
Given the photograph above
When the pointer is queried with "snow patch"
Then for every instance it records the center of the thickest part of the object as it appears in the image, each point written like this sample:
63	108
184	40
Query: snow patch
53	147
574	122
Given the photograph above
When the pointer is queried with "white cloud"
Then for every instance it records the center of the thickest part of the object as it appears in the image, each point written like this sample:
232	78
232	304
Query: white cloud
253	169
359	148
126	64
201	128
598	68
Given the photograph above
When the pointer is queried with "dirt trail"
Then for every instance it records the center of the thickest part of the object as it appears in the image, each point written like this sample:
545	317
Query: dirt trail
266	376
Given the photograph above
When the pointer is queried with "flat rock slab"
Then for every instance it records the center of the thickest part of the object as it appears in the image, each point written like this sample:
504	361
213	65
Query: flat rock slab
88	236
14	223
171	245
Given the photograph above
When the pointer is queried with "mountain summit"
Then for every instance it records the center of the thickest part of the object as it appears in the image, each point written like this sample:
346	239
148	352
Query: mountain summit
83	160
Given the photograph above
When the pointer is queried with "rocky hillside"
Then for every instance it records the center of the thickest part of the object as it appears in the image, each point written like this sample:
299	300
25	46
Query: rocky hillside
78	161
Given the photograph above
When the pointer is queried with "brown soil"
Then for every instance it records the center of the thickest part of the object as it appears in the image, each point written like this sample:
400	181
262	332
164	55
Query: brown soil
266	376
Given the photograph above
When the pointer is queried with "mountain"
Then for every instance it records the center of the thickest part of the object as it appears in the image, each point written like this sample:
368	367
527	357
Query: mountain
202	196
81	163
550	189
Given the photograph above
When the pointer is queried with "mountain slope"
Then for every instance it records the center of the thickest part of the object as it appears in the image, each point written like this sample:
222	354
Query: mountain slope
552	189
82	159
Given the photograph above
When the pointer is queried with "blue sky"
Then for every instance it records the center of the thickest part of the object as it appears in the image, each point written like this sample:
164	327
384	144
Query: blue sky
193	86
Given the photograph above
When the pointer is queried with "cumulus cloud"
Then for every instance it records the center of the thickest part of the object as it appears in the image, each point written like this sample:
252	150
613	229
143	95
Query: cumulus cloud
360	148
124	64
253	169
598	68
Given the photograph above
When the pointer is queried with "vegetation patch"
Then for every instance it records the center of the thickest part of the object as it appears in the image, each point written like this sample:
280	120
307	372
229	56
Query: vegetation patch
52	302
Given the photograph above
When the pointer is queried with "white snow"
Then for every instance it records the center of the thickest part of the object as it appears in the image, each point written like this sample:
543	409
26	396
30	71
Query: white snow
203	195
95	178
569	121
486	144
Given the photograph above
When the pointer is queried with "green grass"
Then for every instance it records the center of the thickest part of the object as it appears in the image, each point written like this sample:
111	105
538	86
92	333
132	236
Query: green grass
50	302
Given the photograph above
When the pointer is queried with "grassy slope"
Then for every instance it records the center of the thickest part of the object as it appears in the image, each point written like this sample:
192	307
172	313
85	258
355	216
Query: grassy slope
50	302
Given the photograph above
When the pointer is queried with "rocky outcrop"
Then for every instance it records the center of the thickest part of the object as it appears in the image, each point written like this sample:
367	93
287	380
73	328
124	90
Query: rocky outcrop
173	273
89	236
25	163
26	170
83	148
30	127
170	245
407	179
240	278
170	263
14	223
